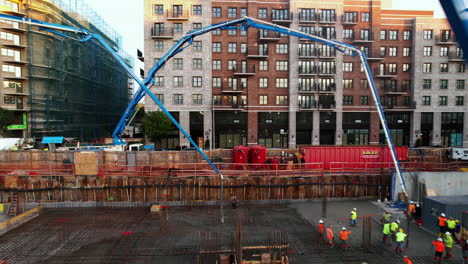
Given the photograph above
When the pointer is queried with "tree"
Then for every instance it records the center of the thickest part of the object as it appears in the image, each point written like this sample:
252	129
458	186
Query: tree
156	125
6	118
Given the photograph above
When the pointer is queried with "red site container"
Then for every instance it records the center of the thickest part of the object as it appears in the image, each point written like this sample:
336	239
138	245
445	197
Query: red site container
257	154
354	157
240	154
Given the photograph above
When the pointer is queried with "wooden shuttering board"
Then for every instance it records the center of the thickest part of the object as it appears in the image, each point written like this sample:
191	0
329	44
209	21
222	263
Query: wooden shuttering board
86	163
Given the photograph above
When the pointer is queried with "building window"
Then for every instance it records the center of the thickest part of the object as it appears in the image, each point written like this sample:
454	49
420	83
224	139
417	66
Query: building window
348	84
243	47
461	84
159	45
348	33
197	99
216	47
427	84
177	27
197	26
383	34
347	66
197	10
442	100
443	67
405	85
262	13
243	12
347	100
232	83
307	29
232	32
158	10
216	82
406	67
232	47
364	100
392	51
263	82
459	100
160	97
178	64
461	67
393	35
216	99
406	52
426	100
281	48
282	83
216	11
232	12
383	51
178	81
282	100
407	35
264	65
427	67
9	100
178	99
427	34
216	32
232	65
392	67
446	35
364	84
427	51
159	81
282	65
197	46
443	84
365	17
263	99
444	51
216	64
307	14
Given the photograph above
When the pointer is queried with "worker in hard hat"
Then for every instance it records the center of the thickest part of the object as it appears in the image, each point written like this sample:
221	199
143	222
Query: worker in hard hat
354	217
412	210
400	241
386	232
344	237
321	228
439	249
330	236
386	217
451	224
448	242
394	228
442	223
407	260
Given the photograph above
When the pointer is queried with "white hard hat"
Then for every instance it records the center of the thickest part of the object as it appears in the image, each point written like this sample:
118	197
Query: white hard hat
417	205
410	202
321	221
439	239
442	214
447	233
354	209
398	221
343	228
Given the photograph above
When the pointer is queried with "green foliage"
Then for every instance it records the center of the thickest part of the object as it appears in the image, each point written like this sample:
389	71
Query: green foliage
156	125
6	118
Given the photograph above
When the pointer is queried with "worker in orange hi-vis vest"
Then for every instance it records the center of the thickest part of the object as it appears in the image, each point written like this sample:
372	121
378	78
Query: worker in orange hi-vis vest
412	210
321	228
407	260
344	237
330	236
439	249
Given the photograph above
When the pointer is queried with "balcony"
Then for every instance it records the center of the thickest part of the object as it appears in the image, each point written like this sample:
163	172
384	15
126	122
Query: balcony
329	53
307	53
307	70
269	36
307	88
456	56
13	27
14	92
384	74
369	38
327	71
445	40
12	60
349	20
175	14
326	19
246	70
162	33
326	104
374	56
236	88
307	104
326	35
307	18
281	17
256	53
387	89
326	88
13	44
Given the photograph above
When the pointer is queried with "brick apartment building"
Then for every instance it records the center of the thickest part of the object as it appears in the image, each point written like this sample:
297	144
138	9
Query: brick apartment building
263	88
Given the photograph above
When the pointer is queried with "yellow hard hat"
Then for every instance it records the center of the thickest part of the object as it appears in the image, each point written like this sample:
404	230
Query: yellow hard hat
401	230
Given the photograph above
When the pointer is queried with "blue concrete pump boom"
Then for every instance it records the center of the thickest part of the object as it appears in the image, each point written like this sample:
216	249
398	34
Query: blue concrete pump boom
241	24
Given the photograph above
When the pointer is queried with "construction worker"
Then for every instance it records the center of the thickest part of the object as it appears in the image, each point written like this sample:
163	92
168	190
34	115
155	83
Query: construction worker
418	214
354	217
394	228
451	224
412	210
465	250
439	249
448	242
16	147
400	240
321	228
386	232
233	201
344	236
441	222
330	236
386	217
407	260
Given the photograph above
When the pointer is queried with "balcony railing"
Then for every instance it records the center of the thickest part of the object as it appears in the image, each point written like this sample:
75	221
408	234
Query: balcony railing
374	55
322	18
393	90
173	14
307	69
441	39
327	53
326	104
326	88
245	70
358	38
327	70
349	19
281	17
327	35
456	56
307	88
258	53
307	53
307	18
384	73
307	104
269	36
232	88
162	33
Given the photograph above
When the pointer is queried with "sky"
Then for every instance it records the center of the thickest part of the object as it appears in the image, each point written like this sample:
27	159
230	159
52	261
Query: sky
126	16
